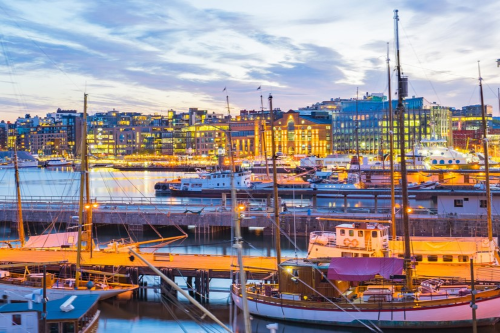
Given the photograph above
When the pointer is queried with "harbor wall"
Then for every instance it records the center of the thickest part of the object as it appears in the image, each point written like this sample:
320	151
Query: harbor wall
303	224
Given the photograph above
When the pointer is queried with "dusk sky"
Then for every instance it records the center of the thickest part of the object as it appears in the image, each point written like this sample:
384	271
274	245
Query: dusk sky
152	56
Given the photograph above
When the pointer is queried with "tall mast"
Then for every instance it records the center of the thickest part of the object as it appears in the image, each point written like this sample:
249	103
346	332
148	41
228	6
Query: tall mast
277	232
82	190
88	215
404	180
20	222
486	158
356	123
263	134
391	147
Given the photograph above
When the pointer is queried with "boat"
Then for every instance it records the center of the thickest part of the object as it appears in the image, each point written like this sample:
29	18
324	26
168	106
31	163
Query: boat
361	239
433	153
284	165
330	163
24	160
352	182
369	291
220	180
57	162
428	185
68	314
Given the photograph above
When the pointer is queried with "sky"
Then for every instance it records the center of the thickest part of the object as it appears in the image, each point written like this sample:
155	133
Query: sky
153	56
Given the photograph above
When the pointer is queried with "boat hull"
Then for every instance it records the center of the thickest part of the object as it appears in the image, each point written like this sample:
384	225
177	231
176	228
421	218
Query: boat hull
413	318
18	292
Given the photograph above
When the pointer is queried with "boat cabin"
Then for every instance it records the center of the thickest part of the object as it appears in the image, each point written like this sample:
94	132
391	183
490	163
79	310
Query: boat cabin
216	180
70	314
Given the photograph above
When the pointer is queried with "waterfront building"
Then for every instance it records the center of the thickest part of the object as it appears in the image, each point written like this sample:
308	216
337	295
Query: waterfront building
370	116
299	135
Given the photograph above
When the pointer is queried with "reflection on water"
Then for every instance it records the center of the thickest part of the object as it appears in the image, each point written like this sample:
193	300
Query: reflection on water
153	316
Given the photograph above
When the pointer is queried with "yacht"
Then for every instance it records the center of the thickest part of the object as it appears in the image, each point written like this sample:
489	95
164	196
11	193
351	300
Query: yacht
55	162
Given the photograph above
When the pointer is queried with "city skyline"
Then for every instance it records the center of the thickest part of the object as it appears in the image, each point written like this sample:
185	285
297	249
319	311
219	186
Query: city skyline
149	57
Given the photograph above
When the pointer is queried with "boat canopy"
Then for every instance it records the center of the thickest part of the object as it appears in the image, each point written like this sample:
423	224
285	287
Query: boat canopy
362	269
53	240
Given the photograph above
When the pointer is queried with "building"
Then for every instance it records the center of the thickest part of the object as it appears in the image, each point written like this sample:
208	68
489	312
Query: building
299	135
370	117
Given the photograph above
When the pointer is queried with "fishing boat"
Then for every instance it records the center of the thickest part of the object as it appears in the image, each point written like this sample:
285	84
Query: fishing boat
368	291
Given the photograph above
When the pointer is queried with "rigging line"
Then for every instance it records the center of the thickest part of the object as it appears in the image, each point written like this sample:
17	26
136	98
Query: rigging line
418	59
441	72
11	75
38	46
473	92
375	328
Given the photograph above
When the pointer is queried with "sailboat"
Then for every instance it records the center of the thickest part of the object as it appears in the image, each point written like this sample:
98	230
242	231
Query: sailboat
15	286
371	292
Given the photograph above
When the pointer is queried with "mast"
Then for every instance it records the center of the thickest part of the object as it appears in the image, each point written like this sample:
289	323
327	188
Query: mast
20	222
486	158
391	147
404	180
88	205
263	134
82	190
277	232
356	123
238	240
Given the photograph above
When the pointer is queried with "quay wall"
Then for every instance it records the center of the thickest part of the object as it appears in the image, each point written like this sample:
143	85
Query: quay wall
420	225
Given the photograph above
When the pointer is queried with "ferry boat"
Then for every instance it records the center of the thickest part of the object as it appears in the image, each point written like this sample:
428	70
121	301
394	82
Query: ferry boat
56	162
220	180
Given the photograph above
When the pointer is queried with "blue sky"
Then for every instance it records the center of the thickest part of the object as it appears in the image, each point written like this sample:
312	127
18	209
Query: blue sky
152	56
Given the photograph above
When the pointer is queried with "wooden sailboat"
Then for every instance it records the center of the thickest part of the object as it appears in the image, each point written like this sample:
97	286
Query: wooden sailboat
15	286
371	292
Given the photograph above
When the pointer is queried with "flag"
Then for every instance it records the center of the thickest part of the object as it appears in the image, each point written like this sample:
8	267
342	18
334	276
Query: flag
224	89
258	88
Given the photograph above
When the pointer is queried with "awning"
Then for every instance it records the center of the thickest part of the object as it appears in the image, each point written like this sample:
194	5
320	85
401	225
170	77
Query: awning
361	269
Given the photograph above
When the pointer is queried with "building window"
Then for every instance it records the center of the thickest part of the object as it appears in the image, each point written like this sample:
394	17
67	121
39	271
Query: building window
483	203
458	203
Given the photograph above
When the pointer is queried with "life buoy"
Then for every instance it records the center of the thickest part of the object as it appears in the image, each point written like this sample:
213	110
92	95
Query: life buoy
347	241
354	243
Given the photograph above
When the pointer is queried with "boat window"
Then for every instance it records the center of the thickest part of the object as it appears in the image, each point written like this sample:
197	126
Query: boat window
458	203
68	327
447	258
342	232
418	257
295	272
374	234
360	233
351	233
432	258
16	319
217	184
483	204
53	327
401	255
463	258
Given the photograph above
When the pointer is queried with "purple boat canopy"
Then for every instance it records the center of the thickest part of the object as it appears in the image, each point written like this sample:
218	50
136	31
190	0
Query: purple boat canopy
361	269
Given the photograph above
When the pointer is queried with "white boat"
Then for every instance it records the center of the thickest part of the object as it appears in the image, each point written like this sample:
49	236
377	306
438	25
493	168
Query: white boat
352	182
21	164
330	162
215	180
16	287
55	162
320	294
372	240
428	185
433	152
